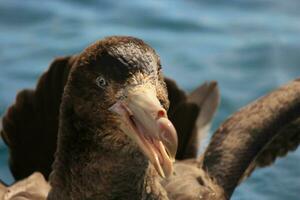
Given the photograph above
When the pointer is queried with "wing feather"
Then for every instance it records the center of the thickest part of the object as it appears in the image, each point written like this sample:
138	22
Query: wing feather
254	136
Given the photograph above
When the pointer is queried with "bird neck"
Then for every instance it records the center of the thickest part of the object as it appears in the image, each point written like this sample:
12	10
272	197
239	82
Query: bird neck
85	170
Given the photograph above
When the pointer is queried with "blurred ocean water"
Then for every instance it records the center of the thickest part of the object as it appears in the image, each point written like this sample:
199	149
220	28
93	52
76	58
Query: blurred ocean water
249	46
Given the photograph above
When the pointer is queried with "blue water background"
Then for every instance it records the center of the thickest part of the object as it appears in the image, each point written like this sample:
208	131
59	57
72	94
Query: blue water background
250	47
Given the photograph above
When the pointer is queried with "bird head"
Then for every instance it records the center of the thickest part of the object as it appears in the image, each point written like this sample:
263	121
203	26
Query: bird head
118	81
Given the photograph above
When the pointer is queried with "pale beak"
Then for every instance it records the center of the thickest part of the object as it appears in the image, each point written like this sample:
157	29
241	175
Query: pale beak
146	122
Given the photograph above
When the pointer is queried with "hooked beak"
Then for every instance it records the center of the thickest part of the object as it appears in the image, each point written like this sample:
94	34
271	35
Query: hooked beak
145	121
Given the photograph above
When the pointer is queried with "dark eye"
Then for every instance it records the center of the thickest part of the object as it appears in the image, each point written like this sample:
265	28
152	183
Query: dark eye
100	81
162	102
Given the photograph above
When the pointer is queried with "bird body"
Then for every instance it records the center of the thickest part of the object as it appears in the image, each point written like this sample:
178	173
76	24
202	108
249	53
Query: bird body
113	128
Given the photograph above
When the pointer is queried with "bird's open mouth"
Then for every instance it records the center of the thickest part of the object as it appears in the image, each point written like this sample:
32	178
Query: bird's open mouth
146	122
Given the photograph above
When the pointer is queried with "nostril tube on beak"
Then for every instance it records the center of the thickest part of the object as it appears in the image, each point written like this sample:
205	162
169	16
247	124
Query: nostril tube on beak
161	113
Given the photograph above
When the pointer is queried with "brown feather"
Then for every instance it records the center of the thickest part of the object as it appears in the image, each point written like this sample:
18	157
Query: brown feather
286	140
191	182
192	116
30	124
254	136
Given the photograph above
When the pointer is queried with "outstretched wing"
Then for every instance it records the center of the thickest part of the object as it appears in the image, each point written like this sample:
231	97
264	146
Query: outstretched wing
31	123
286	140
254	136
192	117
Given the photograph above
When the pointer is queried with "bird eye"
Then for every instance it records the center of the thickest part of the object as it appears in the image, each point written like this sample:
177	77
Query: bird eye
100	81
162	102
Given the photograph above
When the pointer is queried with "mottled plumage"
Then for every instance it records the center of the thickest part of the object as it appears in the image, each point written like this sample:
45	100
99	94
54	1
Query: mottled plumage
96	160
